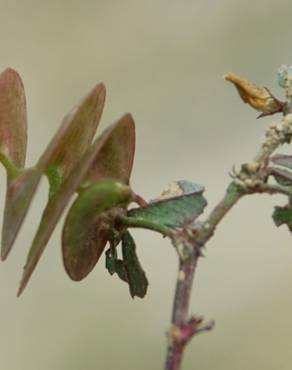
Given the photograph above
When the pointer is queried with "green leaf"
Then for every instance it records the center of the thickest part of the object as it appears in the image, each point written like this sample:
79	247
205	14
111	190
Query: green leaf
137	279
282	160
115	265
88	223
129	268
283	215
60	199
174	211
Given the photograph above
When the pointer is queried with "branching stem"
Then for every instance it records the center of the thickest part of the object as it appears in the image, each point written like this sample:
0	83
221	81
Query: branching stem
250	180
187	267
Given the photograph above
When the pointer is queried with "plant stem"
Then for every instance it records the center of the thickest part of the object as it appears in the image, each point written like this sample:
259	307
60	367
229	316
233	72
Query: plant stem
11	169
232	196
251	179
187	268
145	224
180	313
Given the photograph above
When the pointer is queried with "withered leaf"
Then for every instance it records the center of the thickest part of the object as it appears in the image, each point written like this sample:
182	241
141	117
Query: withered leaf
258	97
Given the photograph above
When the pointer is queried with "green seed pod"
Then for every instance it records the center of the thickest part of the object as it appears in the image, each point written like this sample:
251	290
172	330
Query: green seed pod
88	224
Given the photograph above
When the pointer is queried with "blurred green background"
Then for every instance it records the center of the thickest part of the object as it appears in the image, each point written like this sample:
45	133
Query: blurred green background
162	61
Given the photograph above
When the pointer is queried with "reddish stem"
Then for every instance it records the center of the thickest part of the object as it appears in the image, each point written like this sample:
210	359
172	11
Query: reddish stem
177	340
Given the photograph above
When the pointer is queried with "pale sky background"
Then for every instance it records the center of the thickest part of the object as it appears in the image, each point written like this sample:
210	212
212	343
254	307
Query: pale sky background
163	61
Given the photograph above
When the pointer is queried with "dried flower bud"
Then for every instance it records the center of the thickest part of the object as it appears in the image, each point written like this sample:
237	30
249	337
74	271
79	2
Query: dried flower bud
258	97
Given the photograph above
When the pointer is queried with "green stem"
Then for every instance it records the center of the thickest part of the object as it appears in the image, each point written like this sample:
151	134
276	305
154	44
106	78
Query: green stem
232	196
11	169
55	178
145	224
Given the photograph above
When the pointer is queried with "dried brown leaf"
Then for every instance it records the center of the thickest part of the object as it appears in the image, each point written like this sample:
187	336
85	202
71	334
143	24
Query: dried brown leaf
258	97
